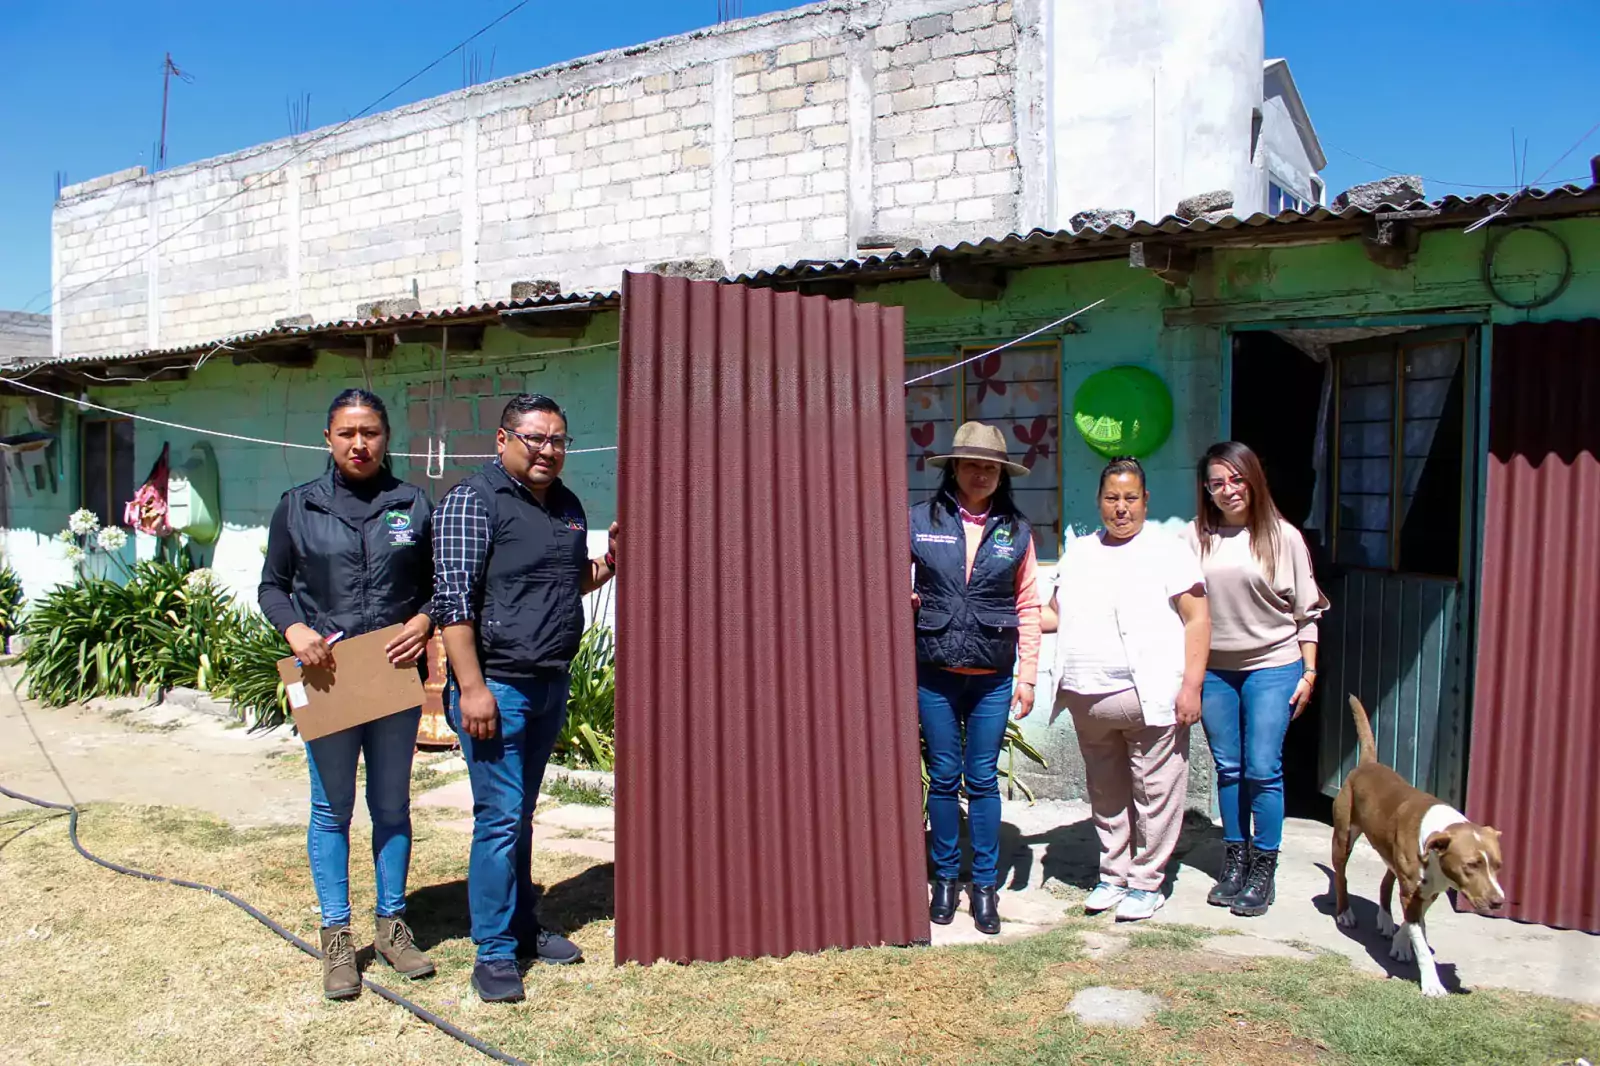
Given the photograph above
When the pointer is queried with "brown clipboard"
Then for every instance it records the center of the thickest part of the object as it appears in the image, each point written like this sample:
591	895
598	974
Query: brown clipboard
362	687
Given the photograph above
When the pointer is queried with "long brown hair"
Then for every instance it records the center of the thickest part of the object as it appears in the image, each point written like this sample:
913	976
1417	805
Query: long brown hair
1261	517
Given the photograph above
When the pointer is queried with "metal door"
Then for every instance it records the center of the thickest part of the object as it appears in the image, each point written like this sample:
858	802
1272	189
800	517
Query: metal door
1396	635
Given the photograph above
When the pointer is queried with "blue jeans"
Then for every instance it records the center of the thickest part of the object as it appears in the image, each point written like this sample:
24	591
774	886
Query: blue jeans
963	724
388	744
1246	714
506	771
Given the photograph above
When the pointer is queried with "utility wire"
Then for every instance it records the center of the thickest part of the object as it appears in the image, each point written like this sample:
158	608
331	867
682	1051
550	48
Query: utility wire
248	185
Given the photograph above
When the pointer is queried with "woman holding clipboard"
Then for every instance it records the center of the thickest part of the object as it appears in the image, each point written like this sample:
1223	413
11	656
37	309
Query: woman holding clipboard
347	554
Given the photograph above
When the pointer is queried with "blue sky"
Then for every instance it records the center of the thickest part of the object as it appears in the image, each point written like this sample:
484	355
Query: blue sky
1432	88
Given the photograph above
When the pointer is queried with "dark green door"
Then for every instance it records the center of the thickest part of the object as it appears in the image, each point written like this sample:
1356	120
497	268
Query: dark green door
1397	635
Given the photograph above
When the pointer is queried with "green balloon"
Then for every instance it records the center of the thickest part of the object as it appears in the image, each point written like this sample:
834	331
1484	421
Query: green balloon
1125	410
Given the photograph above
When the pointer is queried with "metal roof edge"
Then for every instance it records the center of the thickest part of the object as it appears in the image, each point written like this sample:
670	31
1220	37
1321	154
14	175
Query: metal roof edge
595	300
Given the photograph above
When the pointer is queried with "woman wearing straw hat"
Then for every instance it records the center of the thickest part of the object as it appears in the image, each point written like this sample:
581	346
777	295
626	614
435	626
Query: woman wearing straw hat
977	610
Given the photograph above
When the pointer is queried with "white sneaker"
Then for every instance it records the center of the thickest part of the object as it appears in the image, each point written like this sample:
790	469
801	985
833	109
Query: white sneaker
1104	897
1138	905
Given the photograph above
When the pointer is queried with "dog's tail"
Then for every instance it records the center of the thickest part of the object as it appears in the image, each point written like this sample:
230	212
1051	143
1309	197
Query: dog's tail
1368	744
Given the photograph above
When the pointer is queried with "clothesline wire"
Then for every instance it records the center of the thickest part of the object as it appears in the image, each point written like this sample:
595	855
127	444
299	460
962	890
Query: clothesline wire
202	431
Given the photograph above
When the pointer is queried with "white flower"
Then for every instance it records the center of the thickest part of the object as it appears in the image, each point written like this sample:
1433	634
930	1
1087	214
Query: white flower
66	536
75	554
83	522
199	579
112	539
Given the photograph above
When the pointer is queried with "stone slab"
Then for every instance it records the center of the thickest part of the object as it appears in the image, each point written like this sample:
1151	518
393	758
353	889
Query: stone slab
456	795
1115	1008
594	849
1098	945
578	816
1252	947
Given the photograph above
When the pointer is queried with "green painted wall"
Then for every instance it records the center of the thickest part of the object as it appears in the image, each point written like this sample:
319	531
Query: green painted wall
282	404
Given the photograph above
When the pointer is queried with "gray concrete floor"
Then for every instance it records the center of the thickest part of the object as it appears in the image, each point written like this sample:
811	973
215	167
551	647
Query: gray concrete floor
1052	844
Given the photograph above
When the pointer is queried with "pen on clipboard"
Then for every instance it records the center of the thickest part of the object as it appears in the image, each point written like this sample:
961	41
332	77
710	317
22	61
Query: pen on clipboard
329	639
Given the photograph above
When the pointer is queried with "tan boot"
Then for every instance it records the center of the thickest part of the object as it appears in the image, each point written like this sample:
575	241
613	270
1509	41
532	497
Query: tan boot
396	945
340	978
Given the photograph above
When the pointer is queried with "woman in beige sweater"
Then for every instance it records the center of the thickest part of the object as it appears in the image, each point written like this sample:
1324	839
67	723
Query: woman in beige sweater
1264	609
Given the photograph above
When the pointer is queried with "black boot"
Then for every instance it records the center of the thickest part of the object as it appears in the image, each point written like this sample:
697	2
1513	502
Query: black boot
1235	863
1260	888
946	897
986	909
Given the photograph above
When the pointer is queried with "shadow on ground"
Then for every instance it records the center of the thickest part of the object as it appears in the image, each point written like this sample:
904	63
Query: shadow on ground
439	912
1071	853
1377	946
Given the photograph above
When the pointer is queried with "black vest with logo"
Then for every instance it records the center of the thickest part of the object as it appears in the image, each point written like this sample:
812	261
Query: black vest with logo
530	618
357	578
967	622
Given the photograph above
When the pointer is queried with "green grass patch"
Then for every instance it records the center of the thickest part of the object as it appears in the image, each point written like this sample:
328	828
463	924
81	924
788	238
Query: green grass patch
568	791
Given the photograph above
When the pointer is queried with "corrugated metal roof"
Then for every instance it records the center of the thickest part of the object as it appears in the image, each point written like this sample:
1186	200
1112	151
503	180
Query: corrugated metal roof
1046	245
1536	729
440	316
768	793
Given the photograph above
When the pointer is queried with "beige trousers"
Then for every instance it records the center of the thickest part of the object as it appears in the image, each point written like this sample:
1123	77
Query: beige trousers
1138	778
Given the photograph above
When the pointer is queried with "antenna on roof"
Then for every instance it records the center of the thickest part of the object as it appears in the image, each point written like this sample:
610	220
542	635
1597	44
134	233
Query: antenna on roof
472	69
728	10
168	69
61	182
299	114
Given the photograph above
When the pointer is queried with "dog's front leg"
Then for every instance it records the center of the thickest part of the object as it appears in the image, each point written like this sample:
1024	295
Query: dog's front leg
1386	926
1410	943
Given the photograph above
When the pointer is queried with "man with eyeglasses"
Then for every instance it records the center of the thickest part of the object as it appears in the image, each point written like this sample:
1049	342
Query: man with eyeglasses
511	567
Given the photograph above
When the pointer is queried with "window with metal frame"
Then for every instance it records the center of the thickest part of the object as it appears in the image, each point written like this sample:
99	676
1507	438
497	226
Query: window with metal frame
1018	390
1399	455
105	468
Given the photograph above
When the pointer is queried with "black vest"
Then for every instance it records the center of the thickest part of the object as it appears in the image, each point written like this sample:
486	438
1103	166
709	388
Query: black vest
967	623
358	578
530	618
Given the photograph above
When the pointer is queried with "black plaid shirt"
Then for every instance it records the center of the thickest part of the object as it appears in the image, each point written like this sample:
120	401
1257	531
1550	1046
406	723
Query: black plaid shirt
461	537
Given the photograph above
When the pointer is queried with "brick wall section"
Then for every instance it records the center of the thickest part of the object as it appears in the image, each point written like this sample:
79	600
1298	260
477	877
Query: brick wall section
790	135
618	174
770	140
944	135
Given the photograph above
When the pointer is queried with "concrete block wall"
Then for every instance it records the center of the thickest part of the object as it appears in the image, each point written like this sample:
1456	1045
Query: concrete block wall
760	142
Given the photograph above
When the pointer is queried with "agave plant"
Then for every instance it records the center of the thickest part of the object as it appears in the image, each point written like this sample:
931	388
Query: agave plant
92	638
12	601
588	739
251	648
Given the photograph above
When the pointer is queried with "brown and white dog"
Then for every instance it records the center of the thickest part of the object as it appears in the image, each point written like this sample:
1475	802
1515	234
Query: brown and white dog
1428	847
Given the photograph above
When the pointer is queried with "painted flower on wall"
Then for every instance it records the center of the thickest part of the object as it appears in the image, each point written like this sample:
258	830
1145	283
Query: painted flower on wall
1037	437
985	370
922	437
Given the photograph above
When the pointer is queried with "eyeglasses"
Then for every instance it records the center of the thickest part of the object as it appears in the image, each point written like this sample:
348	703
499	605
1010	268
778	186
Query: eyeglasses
536	442
1217	484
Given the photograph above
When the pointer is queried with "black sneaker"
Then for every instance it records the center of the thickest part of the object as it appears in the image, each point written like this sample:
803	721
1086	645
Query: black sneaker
550	948
497	981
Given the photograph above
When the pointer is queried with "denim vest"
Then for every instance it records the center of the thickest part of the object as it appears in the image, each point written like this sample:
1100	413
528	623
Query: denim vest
967	622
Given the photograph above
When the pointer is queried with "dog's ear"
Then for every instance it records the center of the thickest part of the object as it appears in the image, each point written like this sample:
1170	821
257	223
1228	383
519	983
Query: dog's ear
1438	842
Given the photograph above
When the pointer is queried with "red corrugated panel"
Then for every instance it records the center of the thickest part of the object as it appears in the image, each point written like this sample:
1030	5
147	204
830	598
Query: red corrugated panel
769	796
1535	756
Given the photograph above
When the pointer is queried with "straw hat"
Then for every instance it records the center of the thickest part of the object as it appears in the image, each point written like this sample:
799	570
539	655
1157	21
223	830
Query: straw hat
987	444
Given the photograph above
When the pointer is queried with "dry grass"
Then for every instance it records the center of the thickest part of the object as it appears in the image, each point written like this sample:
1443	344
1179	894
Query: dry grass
107	969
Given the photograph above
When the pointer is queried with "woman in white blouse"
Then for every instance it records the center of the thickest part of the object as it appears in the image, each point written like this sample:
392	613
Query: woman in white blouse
1134	630
1264	609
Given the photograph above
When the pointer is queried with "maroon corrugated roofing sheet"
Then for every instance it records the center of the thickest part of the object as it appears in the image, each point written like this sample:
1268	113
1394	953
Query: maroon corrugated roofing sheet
769	796
1535	751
